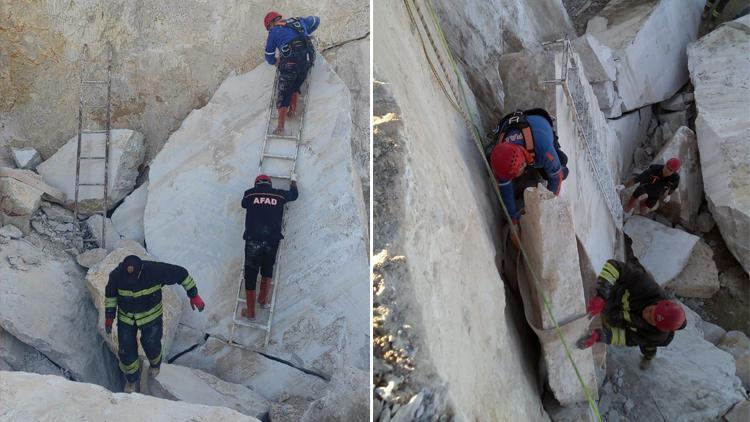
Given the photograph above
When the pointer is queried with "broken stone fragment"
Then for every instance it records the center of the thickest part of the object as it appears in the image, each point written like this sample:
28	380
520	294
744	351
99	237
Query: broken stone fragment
739	413
737	344
662	251
700	277
91	257
678	102
11	231
111	236
25	157
128	217
125	155
18	200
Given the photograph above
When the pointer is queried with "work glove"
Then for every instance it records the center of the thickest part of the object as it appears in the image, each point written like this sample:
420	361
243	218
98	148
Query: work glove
108	325
620	187
197	302
589	339
595	306
293	178
667	198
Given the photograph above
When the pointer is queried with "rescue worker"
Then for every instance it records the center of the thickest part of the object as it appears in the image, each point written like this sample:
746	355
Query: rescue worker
636	312
715	13
526	139
133	292
265	212
296	56
658	181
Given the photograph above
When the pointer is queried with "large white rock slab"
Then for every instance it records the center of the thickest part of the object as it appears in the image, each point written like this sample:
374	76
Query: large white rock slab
648	39
719	64
685	202
699	278
126	150
630	132
96	281
18	200
128	217
193	218
689	380
44	304
663	251
560	278
737	344
31	397
184	384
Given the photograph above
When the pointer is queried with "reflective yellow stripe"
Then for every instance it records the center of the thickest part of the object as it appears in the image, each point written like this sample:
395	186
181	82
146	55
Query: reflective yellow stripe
132	368
618	337
609	273
110	302
156	360
139	293
188	283
626	305
141	318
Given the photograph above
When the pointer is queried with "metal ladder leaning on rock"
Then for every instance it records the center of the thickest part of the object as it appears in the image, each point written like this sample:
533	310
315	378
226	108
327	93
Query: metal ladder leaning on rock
278	160
90	134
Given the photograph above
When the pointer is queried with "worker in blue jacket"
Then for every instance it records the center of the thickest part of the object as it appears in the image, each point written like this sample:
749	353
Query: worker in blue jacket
526	139
291	37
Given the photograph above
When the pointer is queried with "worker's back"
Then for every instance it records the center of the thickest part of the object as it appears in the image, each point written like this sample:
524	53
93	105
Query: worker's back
265	211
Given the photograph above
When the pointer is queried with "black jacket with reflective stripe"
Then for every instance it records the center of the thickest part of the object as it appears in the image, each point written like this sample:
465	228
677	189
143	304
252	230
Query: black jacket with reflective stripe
628	290
138	299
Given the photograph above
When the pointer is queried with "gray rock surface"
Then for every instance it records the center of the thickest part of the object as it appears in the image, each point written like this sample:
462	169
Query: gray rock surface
712	333
31	397
126	152
44	304
647	39
699	278
678	102
22	357
663	251
739	413
111	238
184	384
128	217
25	158
91	257
689	380
719	64
96	281
18	201
737	344
11	231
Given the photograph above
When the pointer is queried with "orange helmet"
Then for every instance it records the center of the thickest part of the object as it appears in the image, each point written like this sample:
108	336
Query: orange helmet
668	315
507	160
270	18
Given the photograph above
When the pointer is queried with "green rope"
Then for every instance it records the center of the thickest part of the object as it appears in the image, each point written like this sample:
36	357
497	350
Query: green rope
477	140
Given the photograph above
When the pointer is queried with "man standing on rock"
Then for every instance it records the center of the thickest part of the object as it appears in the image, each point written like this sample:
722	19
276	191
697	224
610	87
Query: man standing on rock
296	56
655	182
636	312
265	213
133	292
526	139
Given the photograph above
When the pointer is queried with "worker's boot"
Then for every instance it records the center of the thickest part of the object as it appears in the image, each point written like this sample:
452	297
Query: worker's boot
129	387
282	119
249	312
293	105
265	290
153	372
645	363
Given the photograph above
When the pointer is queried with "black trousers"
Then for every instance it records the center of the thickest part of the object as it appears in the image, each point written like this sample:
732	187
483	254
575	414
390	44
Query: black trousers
128	348
293	72
259	255
653	192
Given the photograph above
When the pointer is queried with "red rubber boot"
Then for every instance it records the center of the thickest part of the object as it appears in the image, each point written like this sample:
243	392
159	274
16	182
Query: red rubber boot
249	313
265	290
282	119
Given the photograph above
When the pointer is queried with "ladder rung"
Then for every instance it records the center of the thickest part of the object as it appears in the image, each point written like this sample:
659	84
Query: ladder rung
92	158
94	131
277	176
291	138
250	324
95	82
241	300
280	157
91	184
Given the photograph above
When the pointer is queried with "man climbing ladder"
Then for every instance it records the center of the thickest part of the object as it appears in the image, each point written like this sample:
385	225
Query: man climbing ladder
291	37
133	293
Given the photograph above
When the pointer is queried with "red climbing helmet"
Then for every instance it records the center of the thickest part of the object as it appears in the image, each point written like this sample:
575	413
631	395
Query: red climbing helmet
673	164
262	178
270	18
669	316
507	160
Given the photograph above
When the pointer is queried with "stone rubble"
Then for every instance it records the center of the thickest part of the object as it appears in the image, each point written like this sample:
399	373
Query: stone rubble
125	156
11	231
18	200
111	236
719	64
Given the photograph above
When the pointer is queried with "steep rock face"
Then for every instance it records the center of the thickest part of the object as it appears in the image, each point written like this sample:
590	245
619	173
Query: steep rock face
719	64
193	218
685	202
480	32
126	151
32	397
648	39
43	303
96	281
690	380
630	131
128	217
455	302
169	58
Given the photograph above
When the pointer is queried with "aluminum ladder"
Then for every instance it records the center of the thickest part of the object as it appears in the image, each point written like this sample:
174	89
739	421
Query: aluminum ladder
278	160
89	88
